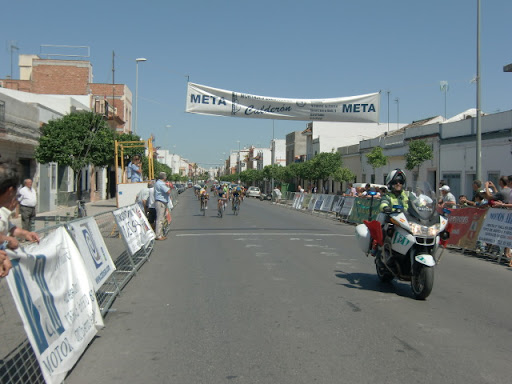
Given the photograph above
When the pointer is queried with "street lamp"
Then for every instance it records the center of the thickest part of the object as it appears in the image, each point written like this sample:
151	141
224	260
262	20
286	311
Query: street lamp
238	141
137	91
397	101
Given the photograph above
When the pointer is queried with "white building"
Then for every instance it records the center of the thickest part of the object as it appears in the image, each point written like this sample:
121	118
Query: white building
329	136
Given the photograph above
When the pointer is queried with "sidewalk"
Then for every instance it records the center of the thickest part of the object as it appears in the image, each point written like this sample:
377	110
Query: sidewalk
50	217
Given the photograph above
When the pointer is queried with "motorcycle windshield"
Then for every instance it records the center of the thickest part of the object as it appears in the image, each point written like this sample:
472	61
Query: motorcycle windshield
422	202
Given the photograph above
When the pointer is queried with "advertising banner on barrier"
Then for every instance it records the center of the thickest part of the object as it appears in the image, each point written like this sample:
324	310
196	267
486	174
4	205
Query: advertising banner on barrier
319	201
56	302
361	210
298	200
134	227
338	203
348	203
312	201
214	101
94	252
327	205
497	228
466	223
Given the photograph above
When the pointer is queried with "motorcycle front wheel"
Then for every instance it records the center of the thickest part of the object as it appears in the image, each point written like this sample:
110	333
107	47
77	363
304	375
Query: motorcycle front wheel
422	281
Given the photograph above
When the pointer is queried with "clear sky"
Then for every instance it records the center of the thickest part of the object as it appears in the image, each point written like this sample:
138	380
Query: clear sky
279	48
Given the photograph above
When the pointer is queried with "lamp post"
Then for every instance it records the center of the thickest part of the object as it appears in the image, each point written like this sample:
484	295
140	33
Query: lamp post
137	61
397	101
238	177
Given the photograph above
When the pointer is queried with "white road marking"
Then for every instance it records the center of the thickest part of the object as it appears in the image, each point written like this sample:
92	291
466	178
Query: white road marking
261	234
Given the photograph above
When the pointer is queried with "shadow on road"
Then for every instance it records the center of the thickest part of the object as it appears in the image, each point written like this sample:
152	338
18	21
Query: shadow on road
370	282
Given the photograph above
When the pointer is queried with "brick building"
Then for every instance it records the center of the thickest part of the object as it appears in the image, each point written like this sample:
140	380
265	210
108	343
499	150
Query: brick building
74	77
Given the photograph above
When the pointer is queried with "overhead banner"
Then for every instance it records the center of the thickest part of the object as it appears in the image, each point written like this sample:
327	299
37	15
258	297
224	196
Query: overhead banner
214	101
56	302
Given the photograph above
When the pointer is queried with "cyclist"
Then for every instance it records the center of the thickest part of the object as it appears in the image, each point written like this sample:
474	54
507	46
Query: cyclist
226	195
204	198
222	201
237	193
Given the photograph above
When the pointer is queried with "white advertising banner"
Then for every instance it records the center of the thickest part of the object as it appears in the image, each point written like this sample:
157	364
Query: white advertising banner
497	228
213	101
56	302
134	227
94	252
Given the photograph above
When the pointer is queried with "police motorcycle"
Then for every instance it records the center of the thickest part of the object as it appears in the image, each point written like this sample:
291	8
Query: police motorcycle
406	242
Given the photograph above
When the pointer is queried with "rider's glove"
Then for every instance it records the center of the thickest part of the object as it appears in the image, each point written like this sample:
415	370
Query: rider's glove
386	209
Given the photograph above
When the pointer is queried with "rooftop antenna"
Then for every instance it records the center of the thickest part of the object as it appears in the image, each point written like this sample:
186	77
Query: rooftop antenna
12	47
444	88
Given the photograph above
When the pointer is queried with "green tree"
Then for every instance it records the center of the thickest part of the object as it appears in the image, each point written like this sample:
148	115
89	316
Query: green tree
325	165
419	152
376	158
76	140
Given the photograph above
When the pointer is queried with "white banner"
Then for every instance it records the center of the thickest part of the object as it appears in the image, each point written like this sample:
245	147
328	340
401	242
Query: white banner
134	227
213	101
56	302
497	228
94	252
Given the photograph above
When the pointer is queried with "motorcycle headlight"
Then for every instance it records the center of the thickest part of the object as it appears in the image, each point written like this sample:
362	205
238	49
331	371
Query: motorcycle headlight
422	230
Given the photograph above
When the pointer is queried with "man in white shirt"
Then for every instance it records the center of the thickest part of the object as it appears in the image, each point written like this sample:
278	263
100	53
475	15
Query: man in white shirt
28	201
448	200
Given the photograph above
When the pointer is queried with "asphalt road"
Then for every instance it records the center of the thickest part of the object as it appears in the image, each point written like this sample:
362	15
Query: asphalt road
279	296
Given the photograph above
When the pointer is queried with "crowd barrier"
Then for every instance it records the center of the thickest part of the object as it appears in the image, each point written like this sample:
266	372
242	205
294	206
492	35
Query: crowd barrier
63	287
472	229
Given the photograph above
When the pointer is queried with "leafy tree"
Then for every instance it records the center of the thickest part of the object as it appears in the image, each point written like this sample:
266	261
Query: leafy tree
325	165
76	140
250	176
376	158
419	152
343	174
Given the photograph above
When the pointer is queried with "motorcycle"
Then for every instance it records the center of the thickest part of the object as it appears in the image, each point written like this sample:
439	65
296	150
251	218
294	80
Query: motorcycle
407	243
265	196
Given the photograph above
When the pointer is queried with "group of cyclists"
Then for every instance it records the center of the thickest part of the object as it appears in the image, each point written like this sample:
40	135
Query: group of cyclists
224	193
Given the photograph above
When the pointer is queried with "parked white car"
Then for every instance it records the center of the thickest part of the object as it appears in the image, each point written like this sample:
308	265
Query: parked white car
253	192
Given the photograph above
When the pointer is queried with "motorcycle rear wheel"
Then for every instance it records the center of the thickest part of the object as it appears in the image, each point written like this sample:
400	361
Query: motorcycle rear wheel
382	272
422	281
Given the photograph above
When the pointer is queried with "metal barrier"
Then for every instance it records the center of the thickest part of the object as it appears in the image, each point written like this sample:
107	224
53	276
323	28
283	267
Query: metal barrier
18	363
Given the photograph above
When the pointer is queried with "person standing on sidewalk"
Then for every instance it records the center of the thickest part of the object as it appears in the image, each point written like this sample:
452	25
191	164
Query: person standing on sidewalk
28	201
9	181
162	192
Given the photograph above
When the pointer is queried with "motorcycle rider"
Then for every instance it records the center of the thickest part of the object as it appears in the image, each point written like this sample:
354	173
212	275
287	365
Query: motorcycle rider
397	194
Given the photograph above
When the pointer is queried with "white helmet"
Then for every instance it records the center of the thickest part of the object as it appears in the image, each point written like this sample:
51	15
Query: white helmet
395	176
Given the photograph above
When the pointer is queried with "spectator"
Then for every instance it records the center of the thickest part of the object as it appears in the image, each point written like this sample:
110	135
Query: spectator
507	201
9	180
463	201
447	200
300	189
500	194
276	194
480	200
134	169
162	192
28	201
151	205
351	190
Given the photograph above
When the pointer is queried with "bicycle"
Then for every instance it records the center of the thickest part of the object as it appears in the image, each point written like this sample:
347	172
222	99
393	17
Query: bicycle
204	204
220	206
236	205
80	210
